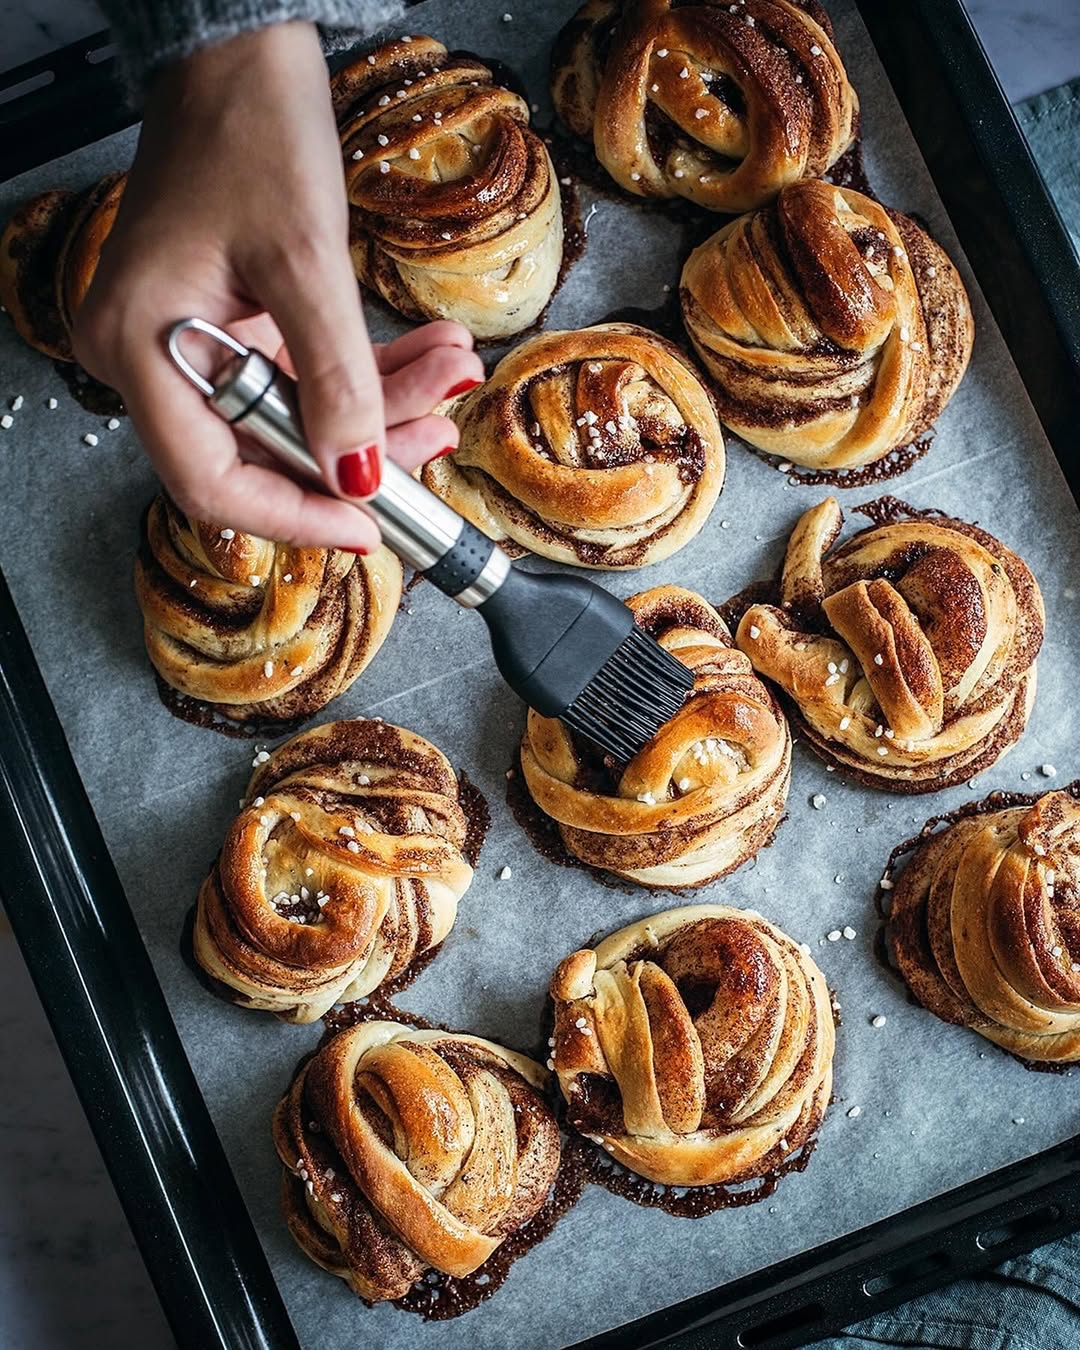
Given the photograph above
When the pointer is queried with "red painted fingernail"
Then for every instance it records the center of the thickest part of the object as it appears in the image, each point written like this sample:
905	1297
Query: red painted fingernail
462	387
362	552
358	472
447	450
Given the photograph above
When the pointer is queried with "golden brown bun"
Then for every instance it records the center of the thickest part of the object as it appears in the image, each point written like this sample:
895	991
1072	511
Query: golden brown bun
908	653
466	221
344	866
833	328
720	104
985	928
598	447
696	1045
703	795
409	1150
261	630
49	252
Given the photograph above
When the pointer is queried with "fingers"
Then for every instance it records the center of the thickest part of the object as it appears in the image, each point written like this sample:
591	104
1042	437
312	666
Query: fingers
391	356
311	293
265	502
414	443
413	389
195	454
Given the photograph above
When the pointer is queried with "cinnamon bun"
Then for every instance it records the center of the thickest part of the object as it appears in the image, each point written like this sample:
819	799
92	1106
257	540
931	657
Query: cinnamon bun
907	654
49	252
984	926
407	1151
695	1046
346	864
598	447
720	104
258	629
833	328
703	795
455	207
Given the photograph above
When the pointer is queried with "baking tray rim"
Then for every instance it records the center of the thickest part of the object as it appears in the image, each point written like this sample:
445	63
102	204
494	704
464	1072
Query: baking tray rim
60	854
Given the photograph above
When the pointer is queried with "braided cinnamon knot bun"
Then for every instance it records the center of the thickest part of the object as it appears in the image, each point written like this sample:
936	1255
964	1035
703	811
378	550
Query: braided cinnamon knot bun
598	447
49	252
260	630
908	654
410	1150
722	104
703	795
985	927
455	207
695	1045
346	864
834	328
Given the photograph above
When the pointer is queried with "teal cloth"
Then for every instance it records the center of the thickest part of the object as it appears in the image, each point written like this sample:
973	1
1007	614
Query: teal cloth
1033	1302
1051	123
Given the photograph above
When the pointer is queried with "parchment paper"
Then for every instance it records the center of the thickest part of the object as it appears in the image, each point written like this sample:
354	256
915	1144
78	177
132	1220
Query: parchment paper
938	1105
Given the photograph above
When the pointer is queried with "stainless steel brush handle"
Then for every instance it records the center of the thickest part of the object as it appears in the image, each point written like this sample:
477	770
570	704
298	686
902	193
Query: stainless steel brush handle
254	395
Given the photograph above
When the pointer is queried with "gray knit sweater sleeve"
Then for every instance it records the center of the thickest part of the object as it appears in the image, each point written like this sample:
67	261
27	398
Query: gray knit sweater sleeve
153	33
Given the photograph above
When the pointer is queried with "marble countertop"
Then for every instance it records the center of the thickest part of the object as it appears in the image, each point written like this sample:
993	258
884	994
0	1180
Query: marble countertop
70	1276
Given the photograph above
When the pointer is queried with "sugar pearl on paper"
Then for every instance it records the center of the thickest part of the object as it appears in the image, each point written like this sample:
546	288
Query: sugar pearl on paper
16	403
1047	770
817	801
505	874
7	421
90	438
52	403
878	1021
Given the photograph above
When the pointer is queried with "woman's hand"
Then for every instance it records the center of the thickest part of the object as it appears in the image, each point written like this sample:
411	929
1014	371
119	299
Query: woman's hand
235	211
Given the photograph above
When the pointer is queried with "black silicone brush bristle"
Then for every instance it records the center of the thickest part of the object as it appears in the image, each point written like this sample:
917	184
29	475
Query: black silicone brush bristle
571	650
639	688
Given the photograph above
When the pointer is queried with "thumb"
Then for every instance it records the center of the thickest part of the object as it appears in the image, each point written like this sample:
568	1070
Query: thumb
317	308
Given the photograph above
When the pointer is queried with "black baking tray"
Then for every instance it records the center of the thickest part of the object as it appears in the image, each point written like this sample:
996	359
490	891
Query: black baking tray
82	945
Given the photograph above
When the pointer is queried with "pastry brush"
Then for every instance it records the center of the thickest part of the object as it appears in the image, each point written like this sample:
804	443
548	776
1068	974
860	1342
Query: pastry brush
563	644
